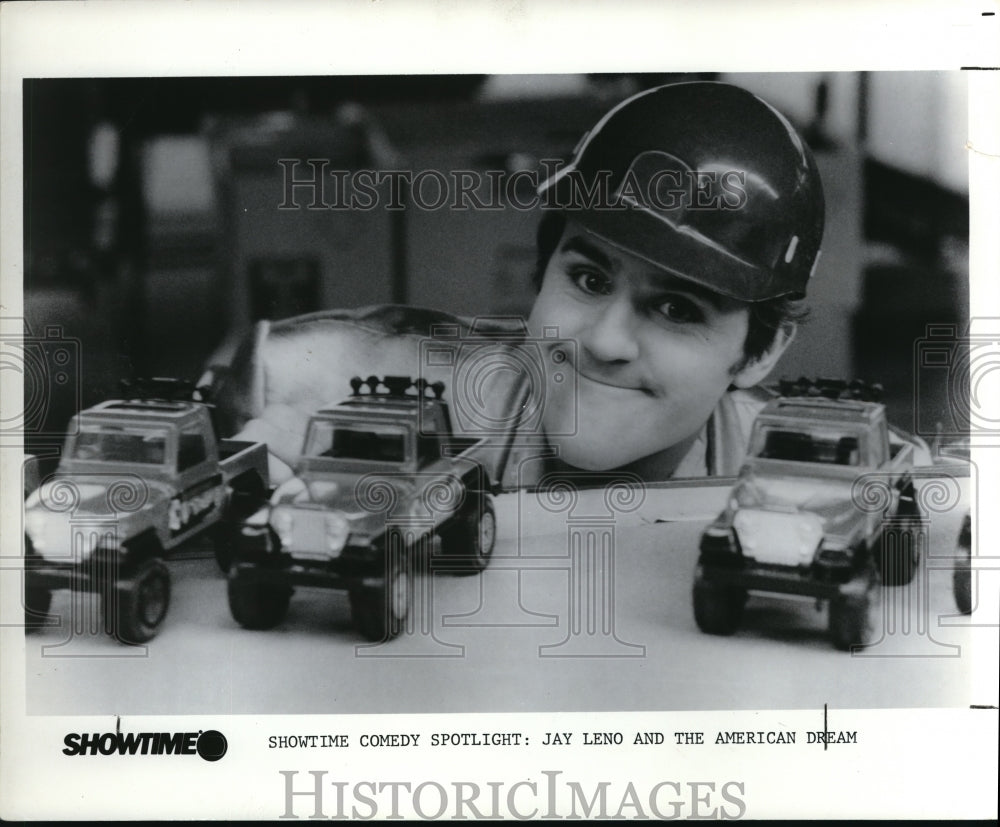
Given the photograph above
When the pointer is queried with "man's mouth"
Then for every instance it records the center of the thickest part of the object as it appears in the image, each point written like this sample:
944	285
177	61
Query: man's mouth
612	383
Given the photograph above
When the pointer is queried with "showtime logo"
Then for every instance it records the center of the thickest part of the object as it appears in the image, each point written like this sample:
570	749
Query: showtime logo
209	744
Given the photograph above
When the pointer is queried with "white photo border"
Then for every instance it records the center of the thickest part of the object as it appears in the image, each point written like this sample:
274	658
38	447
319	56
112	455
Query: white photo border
913	763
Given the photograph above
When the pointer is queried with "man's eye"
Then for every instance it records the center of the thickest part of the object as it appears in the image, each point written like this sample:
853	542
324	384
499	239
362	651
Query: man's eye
680	309
592	282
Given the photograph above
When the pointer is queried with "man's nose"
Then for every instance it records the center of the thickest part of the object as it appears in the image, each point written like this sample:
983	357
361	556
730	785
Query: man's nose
612	337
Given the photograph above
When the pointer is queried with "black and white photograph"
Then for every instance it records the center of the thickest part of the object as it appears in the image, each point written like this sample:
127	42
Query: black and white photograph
462	438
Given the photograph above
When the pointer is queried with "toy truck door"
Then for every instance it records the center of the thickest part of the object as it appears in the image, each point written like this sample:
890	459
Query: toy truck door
438	487
200	487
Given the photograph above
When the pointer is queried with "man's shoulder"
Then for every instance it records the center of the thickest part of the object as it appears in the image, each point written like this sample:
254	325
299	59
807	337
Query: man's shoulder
732	423
307	361
746	403
393	320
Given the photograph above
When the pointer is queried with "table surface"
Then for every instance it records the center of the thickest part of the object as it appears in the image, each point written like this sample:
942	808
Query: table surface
608	626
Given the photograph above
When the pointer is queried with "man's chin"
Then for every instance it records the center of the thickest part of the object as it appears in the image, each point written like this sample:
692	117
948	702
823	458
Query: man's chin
591	454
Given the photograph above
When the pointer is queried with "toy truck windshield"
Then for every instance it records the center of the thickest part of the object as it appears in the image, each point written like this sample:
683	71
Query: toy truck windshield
120	444
373	442
815	445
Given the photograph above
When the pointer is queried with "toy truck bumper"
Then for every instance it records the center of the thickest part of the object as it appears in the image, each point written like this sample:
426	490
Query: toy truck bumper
89	576
785	580
355	565
53	576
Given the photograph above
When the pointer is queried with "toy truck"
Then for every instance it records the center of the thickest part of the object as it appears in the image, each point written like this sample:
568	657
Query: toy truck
138	476
380	475
798	522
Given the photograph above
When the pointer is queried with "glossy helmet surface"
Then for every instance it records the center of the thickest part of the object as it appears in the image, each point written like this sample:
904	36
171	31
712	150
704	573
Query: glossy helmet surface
704	180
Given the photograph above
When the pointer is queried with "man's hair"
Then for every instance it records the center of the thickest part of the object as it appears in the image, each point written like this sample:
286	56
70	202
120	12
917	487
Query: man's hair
767	318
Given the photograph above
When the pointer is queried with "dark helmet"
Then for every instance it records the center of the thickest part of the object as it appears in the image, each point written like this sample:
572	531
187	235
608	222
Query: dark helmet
704	180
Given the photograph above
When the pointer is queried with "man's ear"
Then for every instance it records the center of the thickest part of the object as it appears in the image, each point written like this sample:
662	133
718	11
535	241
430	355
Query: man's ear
756	370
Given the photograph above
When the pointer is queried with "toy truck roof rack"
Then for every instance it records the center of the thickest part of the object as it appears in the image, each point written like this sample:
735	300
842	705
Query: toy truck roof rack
159	388
161	393
396	386
833	389
392	396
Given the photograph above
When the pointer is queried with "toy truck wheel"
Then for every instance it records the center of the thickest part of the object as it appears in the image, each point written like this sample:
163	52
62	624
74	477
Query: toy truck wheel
961	584
469	542
961	578
718	610
36	607
380	612
256	604
135	607
855	618
899	556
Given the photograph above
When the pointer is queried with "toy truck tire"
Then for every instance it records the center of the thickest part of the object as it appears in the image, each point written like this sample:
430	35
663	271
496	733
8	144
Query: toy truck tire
961	578
853	616
718	609
962	587
468	542
134	607
379	612
899	554
36	607
256	604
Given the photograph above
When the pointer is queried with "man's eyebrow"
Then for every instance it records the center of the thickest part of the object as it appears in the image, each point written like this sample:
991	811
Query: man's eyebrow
661	279
669	282
580	245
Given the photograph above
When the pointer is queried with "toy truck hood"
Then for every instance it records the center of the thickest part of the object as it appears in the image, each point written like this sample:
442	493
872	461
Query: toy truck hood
357	496
789	487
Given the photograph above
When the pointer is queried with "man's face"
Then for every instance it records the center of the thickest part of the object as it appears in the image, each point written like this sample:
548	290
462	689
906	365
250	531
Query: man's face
654	353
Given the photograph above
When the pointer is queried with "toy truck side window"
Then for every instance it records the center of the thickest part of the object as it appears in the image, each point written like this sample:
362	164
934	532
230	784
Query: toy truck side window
847	452
191	450
879	440
428	438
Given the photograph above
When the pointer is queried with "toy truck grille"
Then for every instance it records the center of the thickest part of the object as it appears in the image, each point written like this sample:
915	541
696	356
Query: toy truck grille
303	533
778	538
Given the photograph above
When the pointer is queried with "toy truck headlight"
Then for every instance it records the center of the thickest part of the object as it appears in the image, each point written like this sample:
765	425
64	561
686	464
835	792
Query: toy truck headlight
337	530
810	531
282	522
718	540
